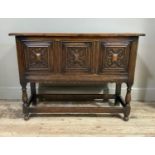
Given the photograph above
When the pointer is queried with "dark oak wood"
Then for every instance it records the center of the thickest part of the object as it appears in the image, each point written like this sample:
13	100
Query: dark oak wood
75	97
76	59
33	93
118	93
76	110
77	34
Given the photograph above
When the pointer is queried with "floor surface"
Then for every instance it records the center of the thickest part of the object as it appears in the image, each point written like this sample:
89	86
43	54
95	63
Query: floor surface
141	123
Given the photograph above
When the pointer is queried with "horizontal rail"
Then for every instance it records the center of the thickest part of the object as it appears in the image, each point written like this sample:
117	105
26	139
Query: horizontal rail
75	97
76	110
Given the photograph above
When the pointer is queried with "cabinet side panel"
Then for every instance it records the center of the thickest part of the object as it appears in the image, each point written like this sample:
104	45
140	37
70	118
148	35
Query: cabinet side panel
21	60
132	61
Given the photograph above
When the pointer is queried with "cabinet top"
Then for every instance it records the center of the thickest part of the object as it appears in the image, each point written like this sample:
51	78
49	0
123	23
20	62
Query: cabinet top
77	34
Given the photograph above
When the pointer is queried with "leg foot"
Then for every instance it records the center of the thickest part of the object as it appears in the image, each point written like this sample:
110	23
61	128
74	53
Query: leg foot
126	118
127	113
26	117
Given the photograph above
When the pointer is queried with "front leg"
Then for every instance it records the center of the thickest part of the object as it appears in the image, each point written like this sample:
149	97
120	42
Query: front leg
117	93
25	101
33	93
127	107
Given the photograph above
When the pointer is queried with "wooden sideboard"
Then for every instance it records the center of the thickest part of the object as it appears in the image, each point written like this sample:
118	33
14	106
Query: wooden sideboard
76	59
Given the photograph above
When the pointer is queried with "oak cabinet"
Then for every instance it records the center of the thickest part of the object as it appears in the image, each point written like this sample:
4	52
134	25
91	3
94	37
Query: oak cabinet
76	59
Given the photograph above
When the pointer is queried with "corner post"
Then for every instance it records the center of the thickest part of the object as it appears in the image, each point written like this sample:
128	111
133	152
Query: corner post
33	93
117	93
127	107
25	101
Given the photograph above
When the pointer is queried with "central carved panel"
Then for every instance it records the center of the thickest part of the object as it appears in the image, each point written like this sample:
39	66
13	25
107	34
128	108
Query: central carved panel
77	57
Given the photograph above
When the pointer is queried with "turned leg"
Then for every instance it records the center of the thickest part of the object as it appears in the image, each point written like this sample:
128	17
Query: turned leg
127	103
25	101
117	93
106	91
33	93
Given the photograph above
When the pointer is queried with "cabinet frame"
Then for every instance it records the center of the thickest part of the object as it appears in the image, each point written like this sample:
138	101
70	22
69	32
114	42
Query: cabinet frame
79	70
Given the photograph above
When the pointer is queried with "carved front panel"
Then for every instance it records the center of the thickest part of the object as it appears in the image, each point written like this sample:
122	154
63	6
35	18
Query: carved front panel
114	57
37	55
76	57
